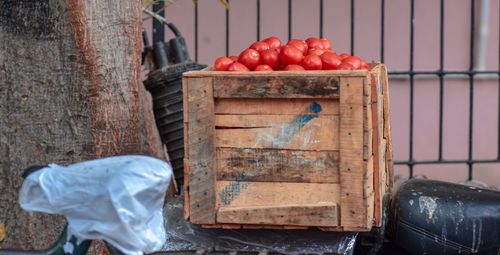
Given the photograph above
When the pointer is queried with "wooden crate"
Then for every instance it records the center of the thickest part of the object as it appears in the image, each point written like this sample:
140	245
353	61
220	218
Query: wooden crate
287	149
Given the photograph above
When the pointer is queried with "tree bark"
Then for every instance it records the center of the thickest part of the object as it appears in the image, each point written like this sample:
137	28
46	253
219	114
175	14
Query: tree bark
70	90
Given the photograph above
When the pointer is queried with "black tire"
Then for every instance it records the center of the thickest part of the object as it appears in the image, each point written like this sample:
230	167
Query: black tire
165	85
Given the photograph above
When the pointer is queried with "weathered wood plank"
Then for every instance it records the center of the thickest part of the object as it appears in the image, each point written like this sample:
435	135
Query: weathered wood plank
387	127
302	133
241	194
269	165
201	153
369	194
322	214
265	121
276	87
276	106
376	147
353	207
208	72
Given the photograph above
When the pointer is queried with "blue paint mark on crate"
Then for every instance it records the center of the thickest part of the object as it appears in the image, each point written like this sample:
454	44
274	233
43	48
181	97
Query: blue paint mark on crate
289	130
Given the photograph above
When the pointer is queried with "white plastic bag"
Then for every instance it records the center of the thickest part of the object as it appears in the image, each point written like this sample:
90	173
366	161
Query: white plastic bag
117	199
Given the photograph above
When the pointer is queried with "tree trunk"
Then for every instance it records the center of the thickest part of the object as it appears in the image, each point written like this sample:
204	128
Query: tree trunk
70	90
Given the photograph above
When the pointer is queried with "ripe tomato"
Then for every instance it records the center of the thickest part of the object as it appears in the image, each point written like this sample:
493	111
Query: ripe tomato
346	66
290	55
222	63
259	46
250	58
270	58
330	61
343	55
237	67
293	67
315	51
263	68
299	44
313	42
234	58
353	60
312	62
326	43
273	42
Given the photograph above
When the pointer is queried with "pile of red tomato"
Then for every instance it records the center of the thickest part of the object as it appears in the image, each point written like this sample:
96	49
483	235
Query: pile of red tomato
270	55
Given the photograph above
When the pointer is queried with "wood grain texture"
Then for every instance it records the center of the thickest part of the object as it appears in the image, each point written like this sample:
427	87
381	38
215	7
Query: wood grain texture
201	149
275	106
276	86
69	91
302	133
376	145
208	72
241	194
268	165
387	129
321	214
352	206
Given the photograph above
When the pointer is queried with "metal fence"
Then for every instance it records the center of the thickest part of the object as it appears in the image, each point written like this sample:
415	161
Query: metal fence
441	74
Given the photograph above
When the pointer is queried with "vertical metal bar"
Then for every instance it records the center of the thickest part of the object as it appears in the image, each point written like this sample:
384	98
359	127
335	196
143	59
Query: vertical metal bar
158	29
321	18
258	20
441	80
412	32
382	30
227	31
196	31
471	88
289	19
352	27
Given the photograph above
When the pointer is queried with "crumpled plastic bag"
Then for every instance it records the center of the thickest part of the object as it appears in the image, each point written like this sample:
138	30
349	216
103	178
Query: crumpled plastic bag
117	199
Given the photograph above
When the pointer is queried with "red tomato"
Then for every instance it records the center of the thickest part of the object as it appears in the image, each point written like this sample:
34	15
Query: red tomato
237	67
293	67
346	66
343	55
326	43
273	42
299	44
312	62
234	58
290	55
222	63
250	58
259	46
315	51
353	60
263	68
313	42
330	61
270	58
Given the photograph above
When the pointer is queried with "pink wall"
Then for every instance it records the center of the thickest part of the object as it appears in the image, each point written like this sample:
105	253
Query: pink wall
305	23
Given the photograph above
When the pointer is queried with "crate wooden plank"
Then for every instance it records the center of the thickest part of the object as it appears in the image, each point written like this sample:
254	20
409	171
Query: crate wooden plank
387	127
186	187
276	106
302	133
303	86
241	194
271	165
201	153
376	148
208	72
266	121
369	193
352	205
322	214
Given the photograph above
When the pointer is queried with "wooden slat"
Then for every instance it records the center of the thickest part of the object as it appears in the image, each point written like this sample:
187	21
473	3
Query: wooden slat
319	133
352	206
369	193
207	72
376	147
201	149
275	106
269	165
242	194
276	87
265	121
322	214
387	125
